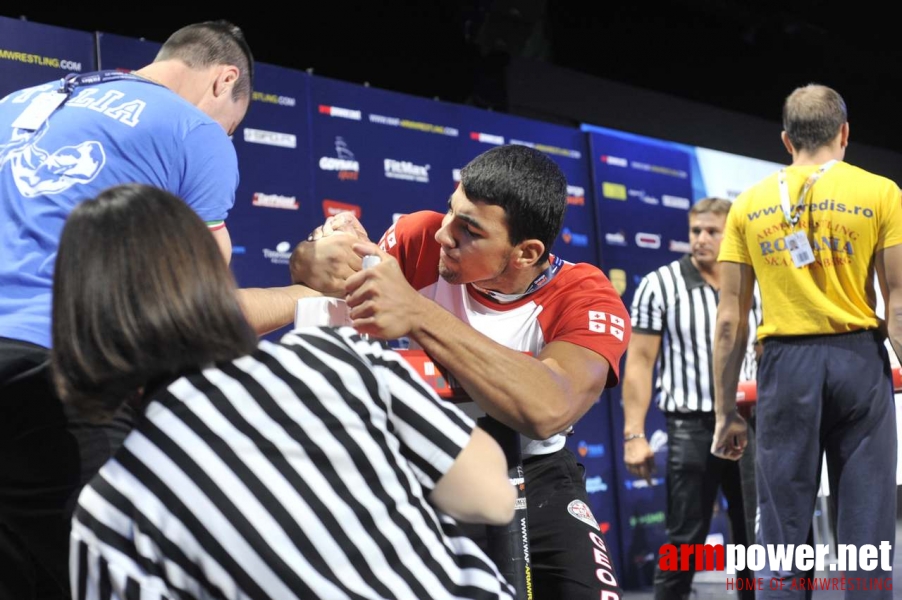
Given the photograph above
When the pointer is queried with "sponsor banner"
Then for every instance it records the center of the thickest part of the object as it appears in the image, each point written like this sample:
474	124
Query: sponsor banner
576	196
613	191
614	161
333	207
342	161
33	54
270	98
406	170
648	240
660	181
275	201
569	237
279	139
675	202
590	450
276	175
382	151
341	112
278	255
487	138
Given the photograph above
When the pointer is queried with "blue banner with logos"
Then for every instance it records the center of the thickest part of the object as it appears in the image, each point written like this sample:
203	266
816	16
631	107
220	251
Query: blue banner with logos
32	54
274	206
644	189
380	154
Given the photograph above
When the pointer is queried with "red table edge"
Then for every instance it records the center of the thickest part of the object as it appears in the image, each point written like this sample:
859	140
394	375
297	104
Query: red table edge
747	392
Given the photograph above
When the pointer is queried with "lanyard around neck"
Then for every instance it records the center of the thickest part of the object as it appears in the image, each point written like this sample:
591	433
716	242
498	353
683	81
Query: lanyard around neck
794	213
543	278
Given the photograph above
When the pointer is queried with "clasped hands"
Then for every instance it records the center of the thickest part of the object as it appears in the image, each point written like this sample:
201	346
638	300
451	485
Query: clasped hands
382	303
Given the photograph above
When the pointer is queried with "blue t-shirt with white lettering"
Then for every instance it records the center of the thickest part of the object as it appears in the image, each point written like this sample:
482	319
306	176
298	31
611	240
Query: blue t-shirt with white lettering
123	131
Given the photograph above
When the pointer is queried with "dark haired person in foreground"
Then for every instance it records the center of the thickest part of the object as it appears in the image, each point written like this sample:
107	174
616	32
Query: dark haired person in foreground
312	468
475	288
167	125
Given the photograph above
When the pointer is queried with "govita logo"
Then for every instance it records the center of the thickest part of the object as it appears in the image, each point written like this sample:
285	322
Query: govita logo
344	161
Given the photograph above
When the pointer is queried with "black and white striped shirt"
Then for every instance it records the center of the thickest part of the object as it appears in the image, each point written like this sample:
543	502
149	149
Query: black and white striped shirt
676	302
299	471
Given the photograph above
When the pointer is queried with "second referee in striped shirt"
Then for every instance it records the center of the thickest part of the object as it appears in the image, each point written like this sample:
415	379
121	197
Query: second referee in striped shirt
673	315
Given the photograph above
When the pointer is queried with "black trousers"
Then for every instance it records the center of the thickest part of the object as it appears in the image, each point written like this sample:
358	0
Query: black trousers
569	556
47	453
694	476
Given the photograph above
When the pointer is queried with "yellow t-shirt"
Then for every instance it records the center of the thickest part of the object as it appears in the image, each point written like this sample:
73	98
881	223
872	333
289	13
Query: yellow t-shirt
849	215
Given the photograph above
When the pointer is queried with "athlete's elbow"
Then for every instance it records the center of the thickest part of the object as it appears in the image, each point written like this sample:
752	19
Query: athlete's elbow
548	422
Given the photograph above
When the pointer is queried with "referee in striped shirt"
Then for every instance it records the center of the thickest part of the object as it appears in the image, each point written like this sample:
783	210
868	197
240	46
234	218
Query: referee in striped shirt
673	316
318	467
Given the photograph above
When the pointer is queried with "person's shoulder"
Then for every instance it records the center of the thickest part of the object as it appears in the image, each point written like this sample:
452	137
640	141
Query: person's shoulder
767	184
860	174
414	229
421	219
581	276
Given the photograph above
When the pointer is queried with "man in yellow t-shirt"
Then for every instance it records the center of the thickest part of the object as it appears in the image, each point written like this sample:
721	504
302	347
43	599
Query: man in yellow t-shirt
814	235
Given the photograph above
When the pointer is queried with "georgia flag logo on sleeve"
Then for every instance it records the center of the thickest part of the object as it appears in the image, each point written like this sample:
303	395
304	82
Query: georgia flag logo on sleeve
601	322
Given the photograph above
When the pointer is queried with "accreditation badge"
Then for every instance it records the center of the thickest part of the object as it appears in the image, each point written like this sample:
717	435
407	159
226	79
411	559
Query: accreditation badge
799	248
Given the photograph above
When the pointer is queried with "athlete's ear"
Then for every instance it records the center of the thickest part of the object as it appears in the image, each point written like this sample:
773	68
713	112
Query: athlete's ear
225	80
528	252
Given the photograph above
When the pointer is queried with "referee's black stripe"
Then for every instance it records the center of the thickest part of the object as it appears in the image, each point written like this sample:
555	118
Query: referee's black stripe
104	588
288	522
82	589
684	343
173	552
132	589
361	462
641	302
429	432
175	504
666	352
364	467
711	298
695	297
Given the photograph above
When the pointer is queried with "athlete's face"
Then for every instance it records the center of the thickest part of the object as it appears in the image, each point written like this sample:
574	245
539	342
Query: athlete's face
705	235
475	244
